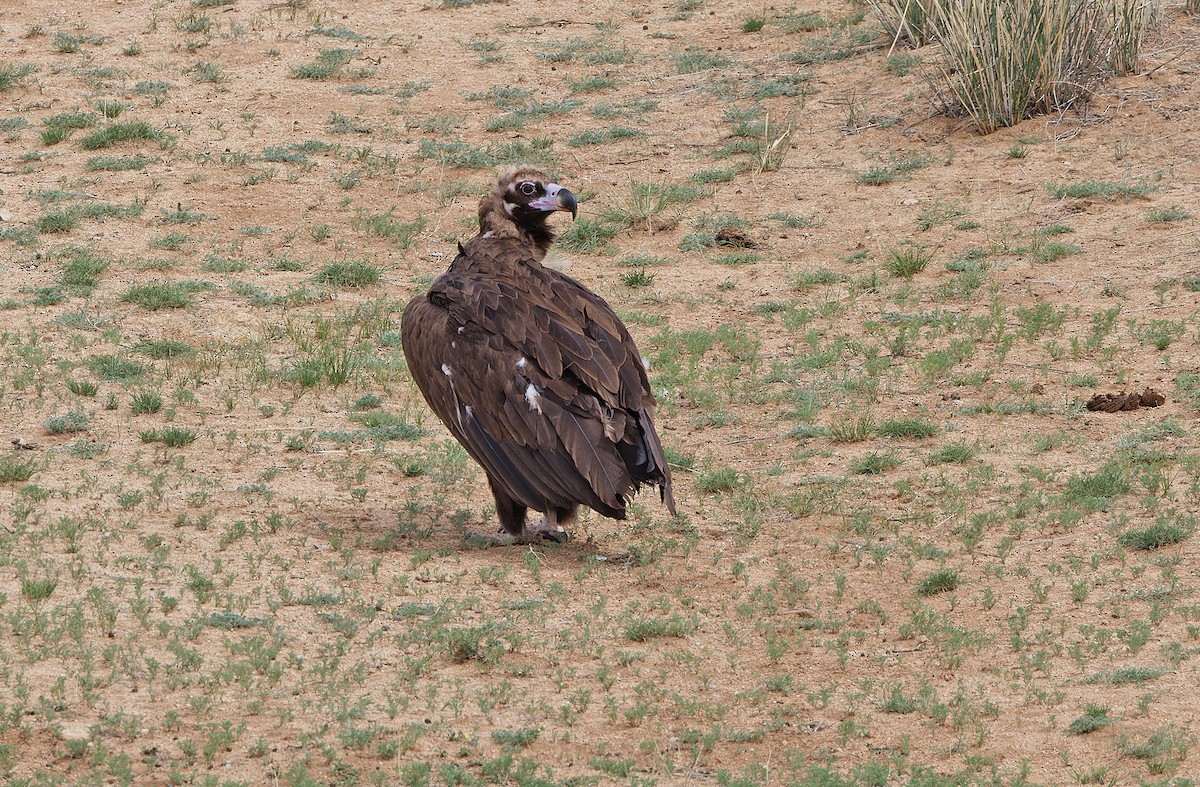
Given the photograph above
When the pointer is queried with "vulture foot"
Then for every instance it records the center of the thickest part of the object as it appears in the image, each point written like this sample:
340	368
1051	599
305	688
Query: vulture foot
544	531
541	533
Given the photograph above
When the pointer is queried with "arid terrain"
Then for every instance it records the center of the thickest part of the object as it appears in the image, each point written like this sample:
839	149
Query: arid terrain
234	541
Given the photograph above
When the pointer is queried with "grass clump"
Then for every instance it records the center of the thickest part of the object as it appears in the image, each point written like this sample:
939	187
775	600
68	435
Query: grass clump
1161	534
907	428
162	295
172	436
908	261
108	163
941	581
1095	717
874	463
642	629
956	453
14	470
164	348
1003	61
115	367
1104	189
589	236
354	275
82	270
1096	491
73	421
327	65
13	74
123	132
908	22
721	479
1164	215
146	402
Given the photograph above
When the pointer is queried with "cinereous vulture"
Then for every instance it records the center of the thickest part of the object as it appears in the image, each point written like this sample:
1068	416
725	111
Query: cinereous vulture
533	373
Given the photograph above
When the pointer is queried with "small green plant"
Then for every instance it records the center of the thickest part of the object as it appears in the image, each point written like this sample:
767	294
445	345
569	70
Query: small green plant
896	701
14	470
122	132
941	581
13	74
328	64
163	295
907	261
115	367
957	453
173	436
1163	532
144	402
1164	215
721	479
355	274
637	278
82	387
874	463
1095	717
68	422
1104	189
588	236
907	428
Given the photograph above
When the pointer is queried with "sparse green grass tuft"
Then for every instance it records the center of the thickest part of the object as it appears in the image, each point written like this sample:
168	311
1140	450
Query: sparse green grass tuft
874	463
907	261
1104	189
907	428
1094	718
355	274
172	436
956	453
144	402
74	421
162	295
13	74
1165	215
589	236
941	581
115	367
123	132
16	470
1162	533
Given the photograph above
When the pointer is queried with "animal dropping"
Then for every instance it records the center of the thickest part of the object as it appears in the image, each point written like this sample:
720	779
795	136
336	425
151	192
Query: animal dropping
533	373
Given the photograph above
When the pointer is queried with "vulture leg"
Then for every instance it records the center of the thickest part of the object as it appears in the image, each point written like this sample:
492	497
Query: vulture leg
510	513
513	530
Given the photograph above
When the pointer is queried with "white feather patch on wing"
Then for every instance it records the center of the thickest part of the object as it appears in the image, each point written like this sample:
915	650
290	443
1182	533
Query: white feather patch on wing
533	398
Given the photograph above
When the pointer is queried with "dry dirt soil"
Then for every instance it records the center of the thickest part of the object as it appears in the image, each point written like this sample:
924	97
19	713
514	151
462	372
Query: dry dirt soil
232	535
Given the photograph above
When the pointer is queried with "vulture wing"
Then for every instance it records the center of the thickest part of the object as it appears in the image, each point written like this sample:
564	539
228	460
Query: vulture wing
538	379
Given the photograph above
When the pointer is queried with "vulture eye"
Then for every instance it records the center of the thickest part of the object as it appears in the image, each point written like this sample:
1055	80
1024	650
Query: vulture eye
528	188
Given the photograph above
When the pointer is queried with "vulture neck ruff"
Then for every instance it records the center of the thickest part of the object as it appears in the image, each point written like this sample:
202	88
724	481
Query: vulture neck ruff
498	219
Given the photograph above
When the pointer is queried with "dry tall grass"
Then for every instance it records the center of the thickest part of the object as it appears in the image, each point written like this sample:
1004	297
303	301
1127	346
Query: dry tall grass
909	22
1005	59
1130	21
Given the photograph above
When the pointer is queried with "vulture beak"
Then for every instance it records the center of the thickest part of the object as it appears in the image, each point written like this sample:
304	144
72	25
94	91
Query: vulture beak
557	198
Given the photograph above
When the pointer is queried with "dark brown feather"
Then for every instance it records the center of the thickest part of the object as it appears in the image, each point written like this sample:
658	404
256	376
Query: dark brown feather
536	376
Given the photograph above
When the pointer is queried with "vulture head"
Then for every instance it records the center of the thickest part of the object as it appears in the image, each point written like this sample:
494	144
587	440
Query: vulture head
520	202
